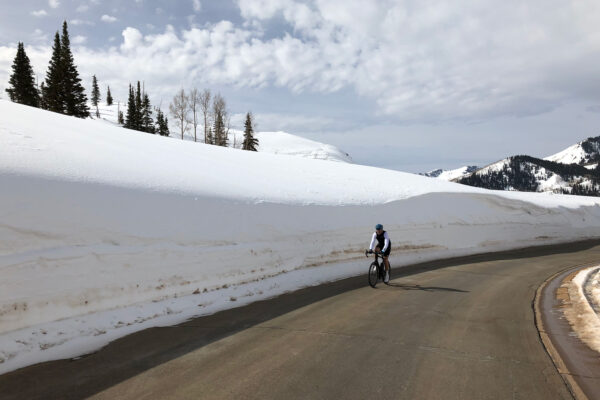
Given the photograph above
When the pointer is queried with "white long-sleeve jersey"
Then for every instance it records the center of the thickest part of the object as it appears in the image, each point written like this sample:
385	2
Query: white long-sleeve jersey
385	244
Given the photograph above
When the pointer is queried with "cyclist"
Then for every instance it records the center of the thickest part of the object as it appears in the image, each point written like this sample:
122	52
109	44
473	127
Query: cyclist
380	243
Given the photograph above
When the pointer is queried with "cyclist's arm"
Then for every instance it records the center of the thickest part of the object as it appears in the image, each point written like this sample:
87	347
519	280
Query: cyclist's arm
373	241
386	242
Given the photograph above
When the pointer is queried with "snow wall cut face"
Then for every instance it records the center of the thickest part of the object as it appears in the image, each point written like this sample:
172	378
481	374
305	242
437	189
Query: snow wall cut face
69	249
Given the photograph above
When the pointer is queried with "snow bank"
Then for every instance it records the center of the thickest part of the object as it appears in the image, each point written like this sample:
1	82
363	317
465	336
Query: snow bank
582	313
104	231
269	142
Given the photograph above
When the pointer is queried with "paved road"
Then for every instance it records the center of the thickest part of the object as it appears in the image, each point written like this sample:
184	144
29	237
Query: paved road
454	329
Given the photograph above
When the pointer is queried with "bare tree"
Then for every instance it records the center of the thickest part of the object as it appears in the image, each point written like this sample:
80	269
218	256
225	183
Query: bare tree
205	106
179	111
194	105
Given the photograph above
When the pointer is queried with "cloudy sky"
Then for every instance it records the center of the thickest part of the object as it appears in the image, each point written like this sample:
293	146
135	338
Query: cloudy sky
410	85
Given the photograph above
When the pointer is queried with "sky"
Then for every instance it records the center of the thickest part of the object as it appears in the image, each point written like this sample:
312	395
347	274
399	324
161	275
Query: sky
409	85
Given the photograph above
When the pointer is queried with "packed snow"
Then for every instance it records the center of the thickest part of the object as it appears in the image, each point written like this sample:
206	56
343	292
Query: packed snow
105	231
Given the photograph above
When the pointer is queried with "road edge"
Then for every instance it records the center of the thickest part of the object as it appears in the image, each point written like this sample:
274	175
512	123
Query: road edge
552	352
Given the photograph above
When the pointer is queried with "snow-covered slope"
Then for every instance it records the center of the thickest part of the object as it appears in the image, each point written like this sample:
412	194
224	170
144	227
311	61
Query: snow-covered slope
583	153
452	174
105	231
527	173
269	142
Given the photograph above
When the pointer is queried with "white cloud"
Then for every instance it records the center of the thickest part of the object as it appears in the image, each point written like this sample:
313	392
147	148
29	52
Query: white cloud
108	18
424	61
79	39
39	13
197	5
82	8
77	22
53	3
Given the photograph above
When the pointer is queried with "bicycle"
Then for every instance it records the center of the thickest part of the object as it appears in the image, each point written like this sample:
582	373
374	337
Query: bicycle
377	270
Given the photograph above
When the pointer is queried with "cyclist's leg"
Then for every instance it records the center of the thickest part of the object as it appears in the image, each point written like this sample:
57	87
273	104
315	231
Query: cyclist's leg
377	250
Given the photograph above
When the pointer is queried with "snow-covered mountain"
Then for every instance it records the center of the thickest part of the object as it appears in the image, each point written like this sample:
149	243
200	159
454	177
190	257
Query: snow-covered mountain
530	174
586	153
106	231
269	142
452	174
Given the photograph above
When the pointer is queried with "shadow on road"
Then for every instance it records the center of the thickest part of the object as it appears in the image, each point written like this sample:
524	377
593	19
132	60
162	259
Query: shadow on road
138	352
425	288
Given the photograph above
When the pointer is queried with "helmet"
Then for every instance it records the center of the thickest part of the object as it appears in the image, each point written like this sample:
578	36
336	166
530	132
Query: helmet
378	227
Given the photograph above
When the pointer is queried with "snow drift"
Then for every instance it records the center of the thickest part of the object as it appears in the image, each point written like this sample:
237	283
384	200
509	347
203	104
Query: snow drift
104	231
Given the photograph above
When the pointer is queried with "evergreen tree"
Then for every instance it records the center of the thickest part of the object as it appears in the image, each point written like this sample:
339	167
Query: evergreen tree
147	122
53	90
138	108
22	87
75	100
220	137
250	142
130	121
109	99
43	103
162	127
95	95
209	136
120	118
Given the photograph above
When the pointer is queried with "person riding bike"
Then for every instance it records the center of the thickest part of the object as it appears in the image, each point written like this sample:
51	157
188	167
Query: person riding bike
380	243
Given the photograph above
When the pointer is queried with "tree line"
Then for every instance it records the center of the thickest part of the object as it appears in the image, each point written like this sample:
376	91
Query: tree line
62	92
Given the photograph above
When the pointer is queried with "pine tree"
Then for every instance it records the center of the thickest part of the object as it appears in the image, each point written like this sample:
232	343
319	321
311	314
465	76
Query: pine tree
130	121
22	82
147	122
75	98
95	95
162	127
53	90
43	104
120	118
209	136
138	108
109	99
250	142
220	129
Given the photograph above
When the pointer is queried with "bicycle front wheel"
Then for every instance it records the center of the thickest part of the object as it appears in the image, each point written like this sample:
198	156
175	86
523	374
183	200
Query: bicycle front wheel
373	274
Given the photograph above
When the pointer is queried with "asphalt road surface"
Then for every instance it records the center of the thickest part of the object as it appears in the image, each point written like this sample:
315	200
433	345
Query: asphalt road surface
453	329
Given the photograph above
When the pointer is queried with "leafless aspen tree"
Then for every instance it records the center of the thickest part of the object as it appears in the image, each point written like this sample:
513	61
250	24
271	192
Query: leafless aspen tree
179	111
194	106
205	97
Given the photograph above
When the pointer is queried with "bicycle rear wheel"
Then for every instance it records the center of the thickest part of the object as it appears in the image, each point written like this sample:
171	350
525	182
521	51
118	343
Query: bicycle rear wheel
373	274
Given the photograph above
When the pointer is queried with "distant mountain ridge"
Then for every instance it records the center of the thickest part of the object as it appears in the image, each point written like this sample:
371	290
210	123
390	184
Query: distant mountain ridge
571	171
452	174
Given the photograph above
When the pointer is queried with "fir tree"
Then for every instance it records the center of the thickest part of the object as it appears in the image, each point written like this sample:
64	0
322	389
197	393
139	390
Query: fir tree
53	90
75	100
43	104
120	118
130	121
22	82
250	142
95	95
162	127
109	99
147	122
209	136
138	108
